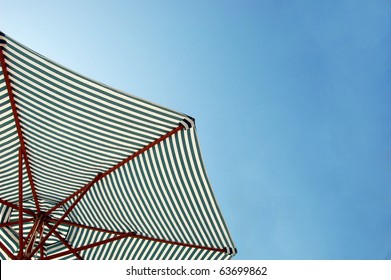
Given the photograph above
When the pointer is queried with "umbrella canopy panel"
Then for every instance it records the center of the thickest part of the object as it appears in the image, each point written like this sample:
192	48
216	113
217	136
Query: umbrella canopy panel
104	174
75	127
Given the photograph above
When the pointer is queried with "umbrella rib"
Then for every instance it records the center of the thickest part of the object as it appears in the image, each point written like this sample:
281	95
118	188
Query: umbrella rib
123	162
8	224
142	150
84	190
14	206
134	235
64	242
18	127
89	246
86	227
125	235
8	252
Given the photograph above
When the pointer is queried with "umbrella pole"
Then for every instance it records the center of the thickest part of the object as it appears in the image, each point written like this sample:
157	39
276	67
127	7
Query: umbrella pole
18	127
32	236
20	161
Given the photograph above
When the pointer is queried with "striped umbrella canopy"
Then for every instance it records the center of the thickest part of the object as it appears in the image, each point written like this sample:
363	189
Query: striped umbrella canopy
90	172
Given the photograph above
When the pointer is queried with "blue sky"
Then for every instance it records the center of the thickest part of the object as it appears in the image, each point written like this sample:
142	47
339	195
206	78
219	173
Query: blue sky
291	99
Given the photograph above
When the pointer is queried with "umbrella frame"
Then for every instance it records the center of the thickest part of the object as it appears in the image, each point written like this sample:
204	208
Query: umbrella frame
42	219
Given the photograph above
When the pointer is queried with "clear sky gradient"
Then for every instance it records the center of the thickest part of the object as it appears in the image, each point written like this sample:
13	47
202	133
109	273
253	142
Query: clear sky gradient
291	98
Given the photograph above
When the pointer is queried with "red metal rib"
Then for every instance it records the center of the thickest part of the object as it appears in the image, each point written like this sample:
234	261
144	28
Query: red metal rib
115	167
133	235
125	235
146	148
14	206
18	127
15	223
180	244
84	226
86	247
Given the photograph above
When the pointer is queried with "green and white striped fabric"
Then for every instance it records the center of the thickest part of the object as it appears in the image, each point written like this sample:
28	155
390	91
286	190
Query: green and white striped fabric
9	147
75	128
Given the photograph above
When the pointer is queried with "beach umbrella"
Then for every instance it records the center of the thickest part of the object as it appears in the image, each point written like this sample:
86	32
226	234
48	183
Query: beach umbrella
90	172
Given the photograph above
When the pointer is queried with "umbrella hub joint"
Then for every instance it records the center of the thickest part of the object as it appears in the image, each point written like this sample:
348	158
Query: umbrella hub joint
31	240
41	216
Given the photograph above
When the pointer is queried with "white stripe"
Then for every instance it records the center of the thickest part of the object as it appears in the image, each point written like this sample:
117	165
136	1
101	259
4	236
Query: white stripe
144	255
6	127
121	249
11	157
